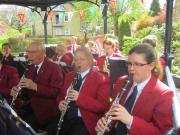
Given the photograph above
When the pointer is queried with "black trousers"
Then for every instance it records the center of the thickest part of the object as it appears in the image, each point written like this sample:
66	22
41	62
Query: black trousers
27	114
74	126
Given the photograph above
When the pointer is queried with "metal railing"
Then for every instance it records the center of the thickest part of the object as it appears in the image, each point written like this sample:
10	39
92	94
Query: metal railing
175	105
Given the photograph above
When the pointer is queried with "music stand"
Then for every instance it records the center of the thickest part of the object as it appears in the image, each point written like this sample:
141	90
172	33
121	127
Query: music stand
118	68
11	123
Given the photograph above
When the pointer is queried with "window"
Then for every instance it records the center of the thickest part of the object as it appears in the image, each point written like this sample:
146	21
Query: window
66	17
66	31
57	19
57	31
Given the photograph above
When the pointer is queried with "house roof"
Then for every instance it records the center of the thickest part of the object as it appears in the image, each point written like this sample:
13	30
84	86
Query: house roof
43	4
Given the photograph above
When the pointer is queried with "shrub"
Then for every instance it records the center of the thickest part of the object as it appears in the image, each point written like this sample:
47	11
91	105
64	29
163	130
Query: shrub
129	42
143	23
18	45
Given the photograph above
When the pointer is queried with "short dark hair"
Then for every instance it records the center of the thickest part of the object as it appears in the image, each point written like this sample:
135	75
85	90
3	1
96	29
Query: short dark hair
6	44
1	57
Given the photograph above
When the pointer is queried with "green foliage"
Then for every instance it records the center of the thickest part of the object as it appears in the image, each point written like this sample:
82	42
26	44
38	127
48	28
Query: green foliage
5	38
155	8
124	28
57	41
135	39
134	9
53	40
144	22
143	32
18	45
176	66
27	32
129	42
176	49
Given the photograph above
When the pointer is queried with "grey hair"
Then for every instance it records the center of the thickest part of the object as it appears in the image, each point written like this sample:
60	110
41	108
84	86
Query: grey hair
87	53
40	45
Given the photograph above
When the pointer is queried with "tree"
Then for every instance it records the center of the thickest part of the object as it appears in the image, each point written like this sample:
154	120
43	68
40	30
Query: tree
155	8
11	18
92	16
130	10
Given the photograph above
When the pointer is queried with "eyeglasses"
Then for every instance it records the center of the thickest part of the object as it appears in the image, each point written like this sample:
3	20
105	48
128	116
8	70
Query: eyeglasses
129	64
79	59
31	52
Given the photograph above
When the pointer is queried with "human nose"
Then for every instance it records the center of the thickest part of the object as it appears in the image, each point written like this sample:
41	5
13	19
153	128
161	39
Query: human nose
131	66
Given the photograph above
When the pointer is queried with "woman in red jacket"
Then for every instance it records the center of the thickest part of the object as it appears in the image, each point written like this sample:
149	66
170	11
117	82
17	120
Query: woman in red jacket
87	90
145	108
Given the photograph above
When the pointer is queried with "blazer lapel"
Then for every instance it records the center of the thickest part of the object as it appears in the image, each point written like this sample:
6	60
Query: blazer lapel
87	80
145	95
42	69
123	99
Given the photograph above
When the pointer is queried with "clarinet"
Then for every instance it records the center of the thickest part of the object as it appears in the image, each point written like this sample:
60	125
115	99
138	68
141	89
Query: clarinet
116	101
18	89
63	112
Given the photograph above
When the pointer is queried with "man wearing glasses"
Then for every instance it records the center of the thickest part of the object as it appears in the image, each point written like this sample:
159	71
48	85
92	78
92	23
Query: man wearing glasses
41	86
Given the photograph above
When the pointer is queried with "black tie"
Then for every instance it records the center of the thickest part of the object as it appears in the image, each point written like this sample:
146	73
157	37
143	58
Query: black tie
121	127
35	73
78	82
73	110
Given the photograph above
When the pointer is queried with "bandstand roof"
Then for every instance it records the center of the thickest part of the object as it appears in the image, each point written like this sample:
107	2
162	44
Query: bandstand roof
43	4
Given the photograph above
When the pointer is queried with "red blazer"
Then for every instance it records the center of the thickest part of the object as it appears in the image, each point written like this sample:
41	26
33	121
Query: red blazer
49	83
69	48
101	60
153	110
67	58
9	77
93	100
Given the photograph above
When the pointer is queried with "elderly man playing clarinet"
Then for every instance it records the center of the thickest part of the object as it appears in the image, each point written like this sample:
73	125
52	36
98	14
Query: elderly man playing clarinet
41	85
146	106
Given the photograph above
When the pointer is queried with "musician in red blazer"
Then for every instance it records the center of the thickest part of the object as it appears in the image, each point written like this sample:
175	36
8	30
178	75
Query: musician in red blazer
42	86
109	48
9	77
7	56
73	46
63	58
151	109
92	100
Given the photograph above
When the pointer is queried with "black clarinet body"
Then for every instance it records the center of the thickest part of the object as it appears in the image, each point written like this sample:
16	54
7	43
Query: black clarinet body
18	89
63	112
116	101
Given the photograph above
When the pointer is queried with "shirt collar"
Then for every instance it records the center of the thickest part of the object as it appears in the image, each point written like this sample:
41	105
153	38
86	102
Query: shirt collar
140	86
39	66
83	74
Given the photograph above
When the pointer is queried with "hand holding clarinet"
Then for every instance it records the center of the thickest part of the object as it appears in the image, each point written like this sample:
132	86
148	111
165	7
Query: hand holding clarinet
116	112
